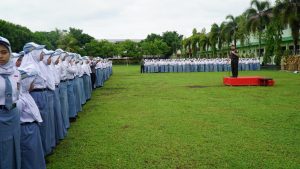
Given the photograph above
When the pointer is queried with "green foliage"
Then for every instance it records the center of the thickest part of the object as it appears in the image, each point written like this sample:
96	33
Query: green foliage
50	39
68	43
102	48
173	40
154	48
195	41
204	41
16	34
287	53
258	18
129	48
269	40
155	45
278	31
215	37
288	10
74	40
81	37
187	46
231	29
242	33
152	37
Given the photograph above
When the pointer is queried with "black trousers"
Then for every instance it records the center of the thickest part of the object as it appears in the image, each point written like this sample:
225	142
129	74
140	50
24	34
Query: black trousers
93	78
235	67
142	68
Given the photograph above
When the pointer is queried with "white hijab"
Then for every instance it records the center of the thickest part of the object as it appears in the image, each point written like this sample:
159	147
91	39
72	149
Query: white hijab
26	104
47	72
33	58
54	69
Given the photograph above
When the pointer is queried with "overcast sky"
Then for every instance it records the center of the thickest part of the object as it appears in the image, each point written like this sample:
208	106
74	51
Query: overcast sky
120	19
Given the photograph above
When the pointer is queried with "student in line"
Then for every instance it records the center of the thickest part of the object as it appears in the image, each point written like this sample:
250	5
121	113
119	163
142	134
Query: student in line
10	154
32	154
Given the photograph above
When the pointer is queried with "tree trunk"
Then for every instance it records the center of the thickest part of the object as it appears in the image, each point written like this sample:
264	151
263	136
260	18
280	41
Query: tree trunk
234	41
295	34
259	42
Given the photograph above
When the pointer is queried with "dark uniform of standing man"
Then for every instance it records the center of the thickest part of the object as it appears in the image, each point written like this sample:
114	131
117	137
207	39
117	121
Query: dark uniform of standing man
234	61
93	74
142	65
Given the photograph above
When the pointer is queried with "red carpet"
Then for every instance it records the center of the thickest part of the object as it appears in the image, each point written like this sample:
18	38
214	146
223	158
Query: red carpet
248	81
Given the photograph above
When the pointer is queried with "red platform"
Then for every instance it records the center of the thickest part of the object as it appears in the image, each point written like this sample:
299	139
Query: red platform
248	81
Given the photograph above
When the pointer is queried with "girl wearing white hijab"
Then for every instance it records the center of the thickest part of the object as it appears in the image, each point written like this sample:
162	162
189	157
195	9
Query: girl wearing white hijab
60	130
86	78
63	88
79	67
98	70
32	154
71	70
33	56
76	82
10	153
50	83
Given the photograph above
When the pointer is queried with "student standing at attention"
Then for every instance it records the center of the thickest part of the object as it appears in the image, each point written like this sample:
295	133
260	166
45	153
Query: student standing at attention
10	153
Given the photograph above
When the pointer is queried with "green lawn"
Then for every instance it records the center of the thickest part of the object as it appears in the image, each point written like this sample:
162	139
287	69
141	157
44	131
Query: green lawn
185	120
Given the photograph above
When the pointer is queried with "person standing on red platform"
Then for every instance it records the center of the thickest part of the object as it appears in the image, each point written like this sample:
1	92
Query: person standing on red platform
234	57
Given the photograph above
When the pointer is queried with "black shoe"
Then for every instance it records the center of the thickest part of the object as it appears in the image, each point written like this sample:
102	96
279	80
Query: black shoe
72	119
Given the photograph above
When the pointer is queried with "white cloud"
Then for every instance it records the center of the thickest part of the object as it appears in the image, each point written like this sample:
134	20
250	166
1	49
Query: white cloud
116	19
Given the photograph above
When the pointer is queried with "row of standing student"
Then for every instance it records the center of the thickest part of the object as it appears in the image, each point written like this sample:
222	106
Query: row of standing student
196	65
41	92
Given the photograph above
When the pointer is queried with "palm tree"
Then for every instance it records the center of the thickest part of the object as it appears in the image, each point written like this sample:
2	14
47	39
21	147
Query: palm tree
204	42
290	12
258	17
224	39
215	37
243	34
195	41
225	36
187	46
232	28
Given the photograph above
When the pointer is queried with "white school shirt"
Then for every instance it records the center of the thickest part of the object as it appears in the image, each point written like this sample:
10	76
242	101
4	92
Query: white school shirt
80	71
55	74
63	71
98	65
71	70
15	80
85	68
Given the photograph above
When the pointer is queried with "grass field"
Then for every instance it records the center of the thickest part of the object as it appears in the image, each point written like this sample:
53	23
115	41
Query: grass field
185	120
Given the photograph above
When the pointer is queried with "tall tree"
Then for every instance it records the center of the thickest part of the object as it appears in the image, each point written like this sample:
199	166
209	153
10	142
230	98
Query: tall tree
227	38
215	37
174	41
49	39
82	38
154	48
232	28
222	37
195	40
290	12
187	44
101	48
16	34
243	34
204	41
68	43
258	18
152	37
129	48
